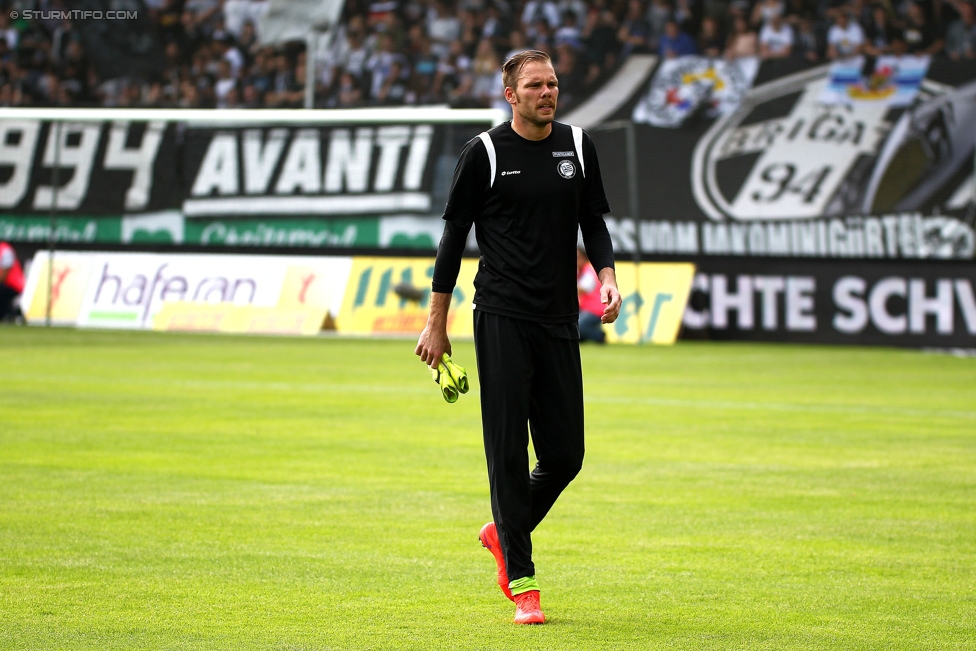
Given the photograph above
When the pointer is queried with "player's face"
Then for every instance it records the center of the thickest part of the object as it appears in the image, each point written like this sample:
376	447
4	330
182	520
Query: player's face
535	93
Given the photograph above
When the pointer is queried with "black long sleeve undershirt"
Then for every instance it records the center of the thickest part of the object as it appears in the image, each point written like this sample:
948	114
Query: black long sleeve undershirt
449	253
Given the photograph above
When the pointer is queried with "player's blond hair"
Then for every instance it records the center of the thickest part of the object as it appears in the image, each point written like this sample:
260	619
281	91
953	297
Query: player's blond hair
515	63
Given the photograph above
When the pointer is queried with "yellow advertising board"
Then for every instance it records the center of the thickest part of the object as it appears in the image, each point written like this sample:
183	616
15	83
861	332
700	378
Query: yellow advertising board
371	306
67	279
239	319
653	302
307	291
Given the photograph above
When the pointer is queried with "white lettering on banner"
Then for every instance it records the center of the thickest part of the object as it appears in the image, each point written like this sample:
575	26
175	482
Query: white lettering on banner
260	162
967	304
349	161
797	302
75	162
848	293
18	140
724	301
75	156
921	305
391	140
364	164
770	287
303	167
897	305
890	236
218	171
140	160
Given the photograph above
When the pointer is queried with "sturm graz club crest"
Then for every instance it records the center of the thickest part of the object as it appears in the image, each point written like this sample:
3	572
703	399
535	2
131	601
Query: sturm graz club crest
784	155
566	169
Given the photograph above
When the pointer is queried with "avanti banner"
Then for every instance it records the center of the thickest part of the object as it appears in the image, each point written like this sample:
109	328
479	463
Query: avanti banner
371	182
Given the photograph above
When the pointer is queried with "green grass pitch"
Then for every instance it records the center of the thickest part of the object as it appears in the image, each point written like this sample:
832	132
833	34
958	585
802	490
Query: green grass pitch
179	492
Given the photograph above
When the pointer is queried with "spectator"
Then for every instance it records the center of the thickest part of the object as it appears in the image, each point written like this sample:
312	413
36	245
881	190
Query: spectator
775	38
349	94
845	38
261	73
764	11
422	71
571	72
394	89
919	34
443	28
658	15
355	57
224	48
251	97
536	10
518	42
879	32
496	26
380	66
8	33
486	88
169	17
189	96
247	42
743	40
711	41
284	84
203	14
239	13
226	81
688	16
961	35
569	32
635	30
472	22
540	36
11	282
578	8
600	38
453	79
806	43
676	43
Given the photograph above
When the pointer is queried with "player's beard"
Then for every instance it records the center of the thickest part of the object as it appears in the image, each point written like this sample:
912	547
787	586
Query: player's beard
531	115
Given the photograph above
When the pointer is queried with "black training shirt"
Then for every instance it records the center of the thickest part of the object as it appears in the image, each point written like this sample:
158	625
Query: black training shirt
526	217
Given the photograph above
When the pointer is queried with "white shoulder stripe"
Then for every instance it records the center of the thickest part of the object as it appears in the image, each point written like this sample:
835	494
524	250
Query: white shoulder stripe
490	147
578	142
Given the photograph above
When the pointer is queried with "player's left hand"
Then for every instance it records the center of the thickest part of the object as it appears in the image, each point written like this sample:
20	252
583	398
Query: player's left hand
610	296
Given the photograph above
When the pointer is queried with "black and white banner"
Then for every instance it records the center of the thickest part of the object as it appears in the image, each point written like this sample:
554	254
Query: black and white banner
111	168
309	171
89	168
784	173
928	304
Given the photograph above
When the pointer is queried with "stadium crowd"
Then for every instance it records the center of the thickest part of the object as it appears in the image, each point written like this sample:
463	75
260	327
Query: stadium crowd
419	52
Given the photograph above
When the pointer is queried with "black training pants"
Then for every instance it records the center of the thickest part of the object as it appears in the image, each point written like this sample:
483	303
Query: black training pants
527	375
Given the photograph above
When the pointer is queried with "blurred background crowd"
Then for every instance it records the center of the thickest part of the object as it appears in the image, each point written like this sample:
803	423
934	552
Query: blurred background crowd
420	52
